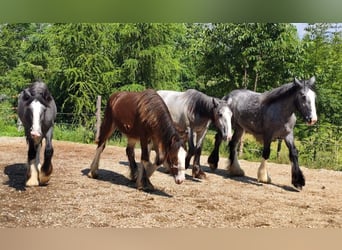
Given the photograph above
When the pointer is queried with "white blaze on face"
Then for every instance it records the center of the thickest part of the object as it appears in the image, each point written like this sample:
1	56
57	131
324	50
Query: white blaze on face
227	116
180	177
37	109
312	97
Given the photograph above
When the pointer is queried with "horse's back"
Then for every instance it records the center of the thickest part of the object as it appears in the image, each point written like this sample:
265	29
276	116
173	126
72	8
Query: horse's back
177	106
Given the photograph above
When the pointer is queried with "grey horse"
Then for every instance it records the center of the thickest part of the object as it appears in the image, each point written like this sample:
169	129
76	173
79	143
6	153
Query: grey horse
193	111
37	111
268	116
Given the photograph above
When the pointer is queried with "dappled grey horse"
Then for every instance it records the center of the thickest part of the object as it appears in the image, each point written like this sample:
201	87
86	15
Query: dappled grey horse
268	116
193	112
37	111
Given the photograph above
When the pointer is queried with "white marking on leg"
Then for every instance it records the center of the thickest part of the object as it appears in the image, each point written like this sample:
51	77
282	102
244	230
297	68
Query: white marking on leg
312	97
227	115
263	172
33	180
180	177
95	164
234	169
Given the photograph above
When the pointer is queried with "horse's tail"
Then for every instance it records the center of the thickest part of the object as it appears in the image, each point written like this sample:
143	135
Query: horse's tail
107	126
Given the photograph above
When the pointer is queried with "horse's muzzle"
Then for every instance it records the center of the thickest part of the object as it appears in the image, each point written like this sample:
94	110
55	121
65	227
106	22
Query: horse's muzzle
35	135
178	181
311	121
226	138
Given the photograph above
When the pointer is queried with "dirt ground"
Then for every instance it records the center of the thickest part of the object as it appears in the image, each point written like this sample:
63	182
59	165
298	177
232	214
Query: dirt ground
71	199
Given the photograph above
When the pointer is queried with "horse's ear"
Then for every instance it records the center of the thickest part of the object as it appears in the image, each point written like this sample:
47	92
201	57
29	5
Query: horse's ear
297	82
312	81
26	94
215	103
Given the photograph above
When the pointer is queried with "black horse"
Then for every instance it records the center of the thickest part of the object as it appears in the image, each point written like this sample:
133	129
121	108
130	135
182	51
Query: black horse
37	111
268	116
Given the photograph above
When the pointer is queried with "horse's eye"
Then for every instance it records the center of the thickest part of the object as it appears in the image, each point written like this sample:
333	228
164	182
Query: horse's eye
220	114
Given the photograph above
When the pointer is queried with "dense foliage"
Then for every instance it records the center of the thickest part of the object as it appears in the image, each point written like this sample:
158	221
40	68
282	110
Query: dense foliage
81	60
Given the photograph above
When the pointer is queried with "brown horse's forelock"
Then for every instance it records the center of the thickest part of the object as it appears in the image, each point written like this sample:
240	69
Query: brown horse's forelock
156	116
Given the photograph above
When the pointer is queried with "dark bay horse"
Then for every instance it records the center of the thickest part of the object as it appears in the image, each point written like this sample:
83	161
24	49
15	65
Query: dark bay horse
193	111
269	116
144	117
37	111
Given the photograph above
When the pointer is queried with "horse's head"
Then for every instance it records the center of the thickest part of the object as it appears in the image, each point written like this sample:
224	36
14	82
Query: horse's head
222	118
305	100
35	103
176	159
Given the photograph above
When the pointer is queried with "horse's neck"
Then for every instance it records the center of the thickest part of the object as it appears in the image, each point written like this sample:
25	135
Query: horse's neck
205	108
287	106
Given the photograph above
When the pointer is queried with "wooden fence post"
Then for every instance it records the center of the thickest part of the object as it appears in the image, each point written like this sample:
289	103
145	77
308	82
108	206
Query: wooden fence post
98	117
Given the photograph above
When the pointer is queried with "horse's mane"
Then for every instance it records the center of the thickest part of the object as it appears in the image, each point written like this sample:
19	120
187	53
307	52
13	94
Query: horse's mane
154	114
279	93
199	103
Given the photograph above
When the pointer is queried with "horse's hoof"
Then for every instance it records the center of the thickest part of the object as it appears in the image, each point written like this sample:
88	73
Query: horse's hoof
44	179
298	181
267	180
199	175
92	175
299	186
213	166
32	182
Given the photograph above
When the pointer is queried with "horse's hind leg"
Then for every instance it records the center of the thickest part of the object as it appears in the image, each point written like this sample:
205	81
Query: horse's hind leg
33	163
234	168
131	158
213	158
46	170
298	179
106	130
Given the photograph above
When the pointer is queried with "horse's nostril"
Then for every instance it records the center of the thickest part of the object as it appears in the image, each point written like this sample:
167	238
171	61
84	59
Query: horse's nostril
179	181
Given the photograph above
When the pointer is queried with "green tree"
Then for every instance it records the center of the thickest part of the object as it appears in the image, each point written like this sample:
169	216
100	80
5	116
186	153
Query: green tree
147	54
256	56
82	66
323	58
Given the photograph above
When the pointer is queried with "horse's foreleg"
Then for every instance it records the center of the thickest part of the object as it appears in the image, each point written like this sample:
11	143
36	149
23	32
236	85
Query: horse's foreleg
298	179
234	168
46	170
263	175
197	172
33	164
213	158
190	152
145	169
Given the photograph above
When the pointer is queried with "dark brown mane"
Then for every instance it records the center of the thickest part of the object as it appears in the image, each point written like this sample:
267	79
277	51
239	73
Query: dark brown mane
155	115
